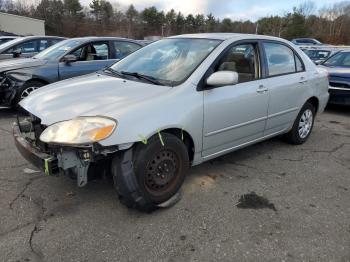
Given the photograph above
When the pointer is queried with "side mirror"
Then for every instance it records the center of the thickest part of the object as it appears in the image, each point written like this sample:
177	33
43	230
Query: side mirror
222	78
69	59
17	52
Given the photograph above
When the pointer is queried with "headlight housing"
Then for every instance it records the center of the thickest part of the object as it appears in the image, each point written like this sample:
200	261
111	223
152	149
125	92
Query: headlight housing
81	130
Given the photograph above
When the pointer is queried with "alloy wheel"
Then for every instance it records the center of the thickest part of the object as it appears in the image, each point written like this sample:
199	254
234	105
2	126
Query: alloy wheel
26	92
305	123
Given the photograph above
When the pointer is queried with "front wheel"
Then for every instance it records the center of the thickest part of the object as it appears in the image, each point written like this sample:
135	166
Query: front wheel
158	170
302	126
26	90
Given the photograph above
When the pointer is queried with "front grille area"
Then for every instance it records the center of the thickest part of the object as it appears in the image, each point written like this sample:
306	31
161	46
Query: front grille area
31	128
341	85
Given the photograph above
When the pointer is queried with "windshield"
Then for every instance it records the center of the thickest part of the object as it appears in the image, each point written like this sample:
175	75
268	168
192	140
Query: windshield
339	59
317	54
56	51
170	61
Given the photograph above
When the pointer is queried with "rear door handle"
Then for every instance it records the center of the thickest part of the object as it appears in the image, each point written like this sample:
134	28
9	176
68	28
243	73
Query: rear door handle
262	89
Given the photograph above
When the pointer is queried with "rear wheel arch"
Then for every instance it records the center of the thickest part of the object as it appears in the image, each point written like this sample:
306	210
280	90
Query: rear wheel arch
314	101
36	80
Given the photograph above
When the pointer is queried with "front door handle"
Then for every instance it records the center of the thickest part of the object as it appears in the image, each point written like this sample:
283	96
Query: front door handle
303	80
262	89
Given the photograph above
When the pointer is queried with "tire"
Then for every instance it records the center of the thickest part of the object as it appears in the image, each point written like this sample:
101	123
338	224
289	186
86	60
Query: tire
302	126
158	172
25	90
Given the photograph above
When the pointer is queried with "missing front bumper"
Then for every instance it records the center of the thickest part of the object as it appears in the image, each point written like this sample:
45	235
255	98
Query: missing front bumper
41	160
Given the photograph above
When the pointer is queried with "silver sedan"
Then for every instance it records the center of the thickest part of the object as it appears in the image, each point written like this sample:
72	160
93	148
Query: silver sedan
173	104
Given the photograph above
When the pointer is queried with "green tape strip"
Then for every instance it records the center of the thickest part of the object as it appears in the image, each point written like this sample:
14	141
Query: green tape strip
46	166
160	138
143	139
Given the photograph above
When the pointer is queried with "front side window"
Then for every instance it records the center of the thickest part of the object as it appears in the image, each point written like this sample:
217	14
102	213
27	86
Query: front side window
25	47
123	49
170	61
281	59
242	59
92	52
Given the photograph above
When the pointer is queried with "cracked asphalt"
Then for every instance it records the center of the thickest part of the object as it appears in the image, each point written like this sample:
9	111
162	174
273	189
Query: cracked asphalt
50	219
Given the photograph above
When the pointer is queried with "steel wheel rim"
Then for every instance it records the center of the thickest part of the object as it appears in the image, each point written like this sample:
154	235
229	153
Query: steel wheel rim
161	172
26	92
305	123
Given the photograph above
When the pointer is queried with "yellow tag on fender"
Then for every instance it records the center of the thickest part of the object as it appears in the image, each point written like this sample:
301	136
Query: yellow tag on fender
46	166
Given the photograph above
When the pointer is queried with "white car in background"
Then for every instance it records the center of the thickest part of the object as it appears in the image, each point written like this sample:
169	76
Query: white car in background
173	104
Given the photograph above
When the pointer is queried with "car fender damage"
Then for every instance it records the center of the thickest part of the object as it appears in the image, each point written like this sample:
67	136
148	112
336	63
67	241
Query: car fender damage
127	186
10	82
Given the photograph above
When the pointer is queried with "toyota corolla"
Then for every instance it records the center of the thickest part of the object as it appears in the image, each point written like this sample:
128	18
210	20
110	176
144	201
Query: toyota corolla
174	104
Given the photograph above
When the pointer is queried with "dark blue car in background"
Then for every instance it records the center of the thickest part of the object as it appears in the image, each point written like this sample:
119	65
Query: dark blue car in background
338	67
69	58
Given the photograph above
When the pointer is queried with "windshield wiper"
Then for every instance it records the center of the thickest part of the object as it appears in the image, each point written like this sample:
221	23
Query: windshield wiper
150	79
114	72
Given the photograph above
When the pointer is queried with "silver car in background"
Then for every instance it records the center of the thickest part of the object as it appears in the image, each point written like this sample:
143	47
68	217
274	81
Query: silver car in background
27	46
173	104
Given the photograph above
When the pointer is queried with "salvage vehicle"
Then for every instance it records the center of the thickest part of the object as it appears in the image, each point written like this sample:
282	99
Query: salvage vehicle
27	46
173	104
338	67
69	58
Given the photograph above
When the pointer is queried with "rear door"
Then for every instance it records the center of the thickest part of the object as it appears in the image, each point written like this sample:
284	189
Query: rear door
287	84
92	56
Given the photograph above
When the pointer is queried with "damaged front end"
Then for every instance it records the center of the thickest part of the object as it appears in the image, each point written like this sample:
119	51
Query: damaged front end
83	162
7	89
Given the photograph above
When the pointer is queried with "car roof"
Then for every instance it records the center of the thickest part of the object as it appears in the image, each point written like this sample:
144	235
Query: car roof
7	36
42	36
97	38
227	36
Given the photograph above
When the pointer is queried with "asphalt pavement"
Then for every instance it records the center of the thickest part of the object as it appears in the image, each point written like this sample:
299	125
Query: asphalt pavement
268	202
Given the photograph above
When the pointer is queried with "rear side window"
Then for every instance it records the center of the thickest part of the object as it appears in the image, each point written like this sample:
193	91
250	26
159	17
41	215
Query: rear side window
123	49
281	60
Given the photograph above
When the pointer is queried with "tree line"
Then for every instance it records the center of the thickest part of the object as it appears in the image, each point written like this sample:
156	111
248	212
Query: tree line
71	19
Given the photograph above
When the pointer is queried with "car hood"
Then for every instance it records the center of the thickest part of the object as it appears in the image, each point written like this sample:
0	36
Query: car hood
12	64
90	95
337	71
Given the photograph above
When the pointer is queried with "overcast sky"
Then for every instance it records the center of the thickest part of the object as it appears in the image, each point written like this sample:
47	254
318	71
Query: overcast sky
235	9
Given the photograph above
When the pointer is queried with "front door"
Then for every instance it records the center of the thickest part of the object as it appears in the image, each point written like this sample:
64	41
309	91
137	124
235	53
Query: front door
235	114
91	57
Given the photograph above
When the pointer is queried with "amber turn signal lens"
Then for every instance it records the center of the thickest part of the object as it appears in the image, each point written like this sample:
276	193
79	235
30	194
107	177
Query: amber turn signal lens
101	133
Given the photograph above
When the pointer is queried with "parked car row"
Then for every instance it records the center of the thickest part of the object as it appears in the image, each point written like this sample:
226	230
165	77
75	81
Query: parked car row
66	59
172	104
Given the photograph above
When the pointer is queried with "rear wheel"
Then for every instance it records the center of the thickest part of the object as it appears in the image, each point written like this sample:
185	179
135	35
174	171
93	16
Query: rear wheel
302	126
159	172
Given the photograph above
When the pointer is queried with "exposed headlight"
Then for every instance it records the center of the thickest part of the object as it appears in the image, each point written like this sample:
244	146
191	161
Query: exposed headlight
81	130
